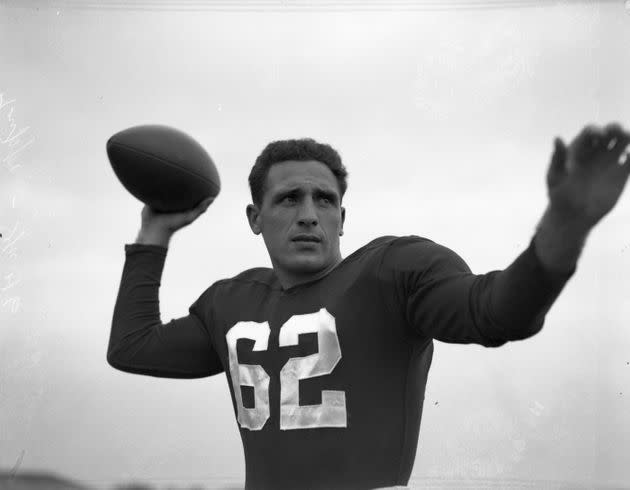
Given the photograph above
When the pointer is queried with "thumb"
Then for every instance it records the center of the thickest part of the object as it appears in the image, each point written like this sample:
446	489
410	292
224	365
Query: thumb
203	205
557	168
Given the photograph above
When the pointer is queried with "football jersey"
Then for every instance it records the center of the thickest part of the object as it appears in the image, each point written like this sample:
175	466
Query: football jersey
327	378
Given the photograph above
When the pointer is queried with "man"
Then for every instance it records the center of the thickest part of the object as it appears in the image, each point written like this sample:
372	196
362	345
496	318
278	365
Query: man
327	358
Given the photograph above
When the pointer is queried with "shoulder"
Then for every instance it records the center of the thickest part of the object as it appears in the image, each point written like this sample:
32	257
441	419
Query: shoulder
420	254
258	278
401	251
392	255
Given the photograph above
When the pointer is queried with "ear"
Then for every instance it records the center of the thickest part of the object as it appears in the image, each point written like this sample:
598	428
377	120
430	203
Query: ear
343	218
253	217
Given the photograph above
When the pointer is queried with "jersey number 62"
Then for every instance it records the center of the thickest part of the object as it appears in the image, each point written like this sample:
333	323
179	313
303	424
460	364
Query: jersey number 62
330	413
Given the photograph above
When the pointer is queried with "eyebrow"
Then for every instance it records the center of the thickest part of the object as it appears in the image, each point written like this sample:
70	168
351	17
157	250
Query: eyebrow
319	191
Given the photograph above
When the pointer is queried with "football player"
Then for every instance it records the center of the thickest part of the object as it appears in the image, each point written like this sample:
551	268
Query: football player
327	357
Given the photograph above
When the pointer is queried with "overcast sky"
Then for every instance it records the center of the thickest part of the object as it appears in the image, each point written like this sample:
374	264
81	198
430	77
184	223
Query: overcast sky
445	120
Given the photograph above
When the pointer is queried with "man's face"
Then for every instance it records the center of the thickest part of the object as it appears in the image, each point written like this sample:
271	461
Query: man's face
300	219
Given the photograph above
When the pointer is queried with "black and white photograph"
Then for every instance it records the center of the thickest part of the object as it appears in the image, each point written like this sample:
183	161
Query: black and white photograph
314	244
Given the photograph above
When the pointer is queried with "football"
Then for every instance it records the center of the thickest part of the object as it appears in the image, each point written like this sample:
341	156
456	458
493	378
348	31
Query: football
163	167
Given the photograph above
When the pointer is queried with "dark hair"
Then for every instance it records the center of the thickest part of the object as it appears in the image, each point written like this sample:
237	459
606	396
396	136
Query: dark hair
302	149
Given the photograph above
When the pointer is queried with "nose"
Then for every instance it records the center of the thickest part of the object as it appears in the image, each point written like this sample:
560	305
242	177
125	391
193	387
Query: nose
307	215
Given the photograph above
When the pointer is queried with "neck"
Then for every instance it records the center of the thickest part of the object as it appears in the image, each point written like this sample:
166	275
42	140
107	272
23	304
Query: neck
288	280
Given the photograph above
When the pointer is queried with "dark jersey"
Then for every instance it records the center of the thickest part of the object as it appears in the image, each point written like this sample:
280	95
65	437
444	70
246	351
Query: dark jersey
328	377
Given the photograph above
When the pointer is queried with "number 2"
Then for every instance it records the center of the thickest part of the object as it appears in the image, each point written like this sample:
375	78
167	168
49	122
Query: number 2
330	413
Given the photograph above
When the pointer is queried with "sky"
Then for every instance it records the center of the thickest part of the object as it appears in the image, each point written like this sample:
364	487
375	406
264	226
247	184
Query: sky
445	119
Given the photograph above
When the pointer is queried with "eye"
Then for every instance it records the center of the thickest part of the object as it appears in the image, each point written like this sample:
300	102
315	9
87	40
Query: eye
326	200
289	199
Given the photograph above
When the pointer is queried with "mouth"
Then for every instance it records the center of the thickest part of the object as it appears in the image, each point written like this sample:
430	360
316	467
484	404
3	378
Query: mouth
306	239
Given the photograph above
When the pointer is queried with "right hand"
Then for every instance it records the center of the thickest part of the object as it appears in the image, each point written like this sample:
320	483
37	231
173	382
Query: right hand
171	222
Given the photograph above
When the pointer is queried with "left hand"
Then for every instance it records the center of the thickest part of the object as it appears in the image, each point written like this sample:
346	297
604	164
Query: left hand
586	178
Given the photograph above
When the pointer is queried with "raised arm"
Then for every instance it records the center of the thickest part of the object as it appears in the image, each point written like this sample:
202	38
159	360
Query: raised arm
441	298
139	342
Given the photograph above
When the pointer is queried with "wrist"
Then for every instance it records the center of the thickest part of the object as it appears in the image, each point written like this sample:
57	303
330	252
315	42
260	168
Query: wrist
153	237
560	239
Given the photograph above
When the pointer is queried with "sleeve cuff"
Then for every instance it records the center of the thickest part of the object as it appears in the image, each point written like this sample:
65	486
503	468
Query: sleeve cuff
131	248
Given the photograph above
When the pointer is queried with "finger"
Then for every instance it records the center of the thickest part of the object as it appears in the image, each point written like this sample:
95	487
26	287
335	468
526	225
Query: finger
614	136
623	161
205	203
613	129
620	173
617	146
589	141
591	134
617	156
193	214
557	168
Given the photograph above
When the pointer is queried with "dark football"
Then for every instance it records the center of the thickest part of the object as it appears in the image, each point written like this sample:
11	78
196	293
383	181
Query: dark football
163	167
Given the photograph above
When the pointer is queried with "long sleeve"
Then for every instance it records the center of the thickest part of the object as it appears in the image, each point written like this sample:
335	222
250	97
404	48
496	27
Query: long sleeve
441	298
139	342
